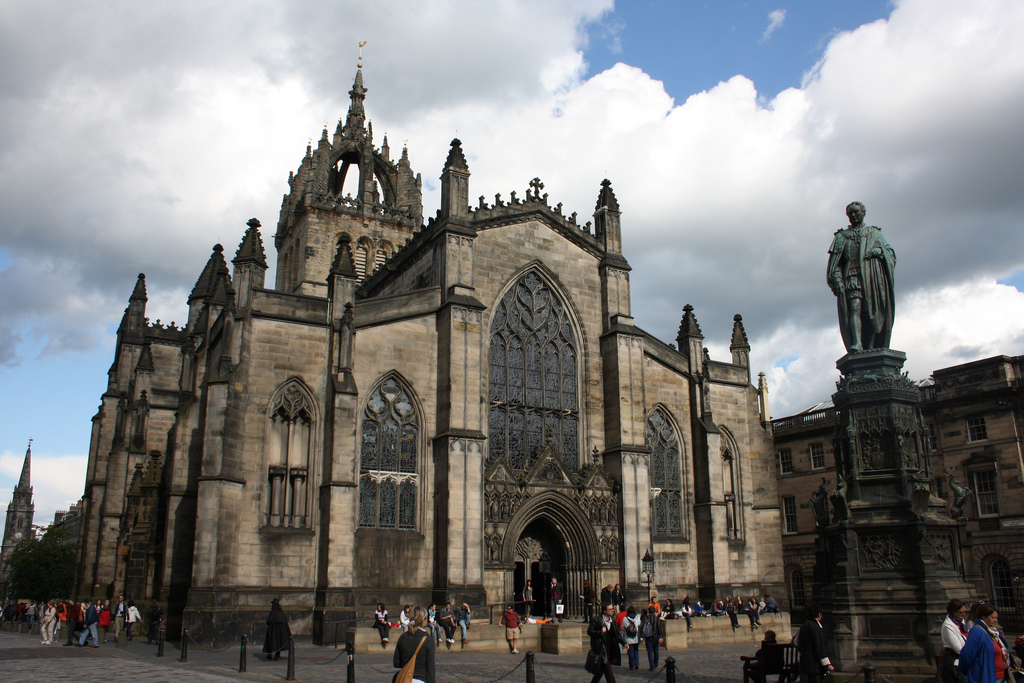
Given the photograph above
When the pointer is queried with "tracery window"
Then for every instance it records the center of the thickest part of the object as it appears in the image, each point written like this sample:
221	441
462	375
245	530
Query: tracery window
291	421
666	476
533	383
388	459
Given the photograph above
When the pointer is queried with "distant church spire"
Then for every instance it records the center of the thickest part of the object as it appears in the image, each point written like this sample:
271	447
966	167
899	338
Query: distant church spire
20	512
25	483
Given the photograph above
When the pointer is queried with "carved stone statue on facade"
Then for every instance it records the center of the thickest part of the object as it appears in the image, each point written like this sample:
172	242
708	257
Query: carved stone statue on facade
960	493
819	504
840	510
860	274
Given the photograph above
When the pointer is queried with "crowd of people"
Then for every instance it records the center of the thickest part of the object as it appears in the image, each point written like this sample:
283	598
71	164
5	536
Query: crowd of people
85	621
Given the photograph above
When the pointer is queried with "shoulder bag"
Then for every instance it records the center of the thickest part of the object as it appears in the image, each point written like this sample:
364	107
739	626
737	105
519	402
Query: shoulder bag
404	674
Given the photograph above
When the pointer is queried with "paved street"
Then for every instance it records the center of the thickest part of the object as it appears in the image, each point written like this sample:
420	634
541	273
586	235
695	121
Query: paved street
22	658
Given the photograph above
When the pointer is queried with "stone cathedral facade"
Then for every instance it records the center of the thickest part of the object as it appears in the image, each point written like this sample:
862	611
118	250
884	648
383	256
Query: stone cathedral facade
419	411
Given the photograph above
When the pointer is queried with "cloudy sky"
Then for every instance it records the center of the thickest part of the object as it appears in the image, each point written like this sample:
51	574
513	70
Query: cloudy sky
134	136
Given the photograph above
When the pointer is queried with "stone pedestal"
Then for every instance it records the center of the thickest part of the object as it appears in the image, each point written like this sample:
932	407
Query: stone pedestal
889	557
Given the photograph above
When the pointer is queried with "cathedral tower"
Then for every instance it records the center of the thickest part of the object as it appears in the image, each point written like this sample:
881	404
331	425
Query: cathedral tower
19	513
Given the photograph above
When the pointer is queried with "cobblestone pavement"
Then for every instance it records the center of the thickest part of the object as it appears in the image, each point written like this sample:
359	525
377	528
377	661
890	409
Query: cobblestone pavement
22	658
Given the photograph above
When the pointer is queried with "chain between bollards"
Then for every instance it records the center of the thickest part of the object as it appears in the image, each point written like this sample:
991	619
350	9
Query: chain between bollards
291	659
350	672
160	643
241	656
184	645
531	673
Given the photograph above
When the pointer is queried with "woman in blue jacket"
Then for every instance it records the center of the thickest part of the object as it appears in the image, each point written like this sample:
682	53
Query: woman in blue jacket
985	657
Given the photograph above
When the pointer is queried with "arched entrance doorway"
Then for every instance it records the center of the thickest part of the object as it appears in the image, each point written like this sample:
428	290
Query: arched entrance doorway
539	558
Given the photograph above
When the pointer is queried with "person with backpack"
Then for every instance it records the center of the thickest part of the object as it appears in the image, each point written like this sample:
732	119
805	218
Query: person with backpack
650	631
631	631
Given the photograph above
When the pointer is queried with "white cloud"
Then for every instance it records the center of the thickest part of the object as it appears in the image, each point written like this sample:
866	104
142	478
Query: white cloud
133	158
775	20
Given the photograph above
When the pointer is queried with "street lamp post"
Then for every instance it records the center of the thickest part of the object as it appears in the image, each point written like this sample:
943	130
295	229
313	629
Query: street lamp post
647	568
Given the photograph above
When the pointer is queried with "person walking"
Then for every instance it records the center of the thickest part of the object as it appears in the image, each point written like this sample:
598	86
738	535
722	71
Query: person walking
604	641
278	632
810	641
650	629
74	621
48	622
985	656
62	617
154	615
954	635
631	634
132	618
512	628
104	611
89	625
417	644
120	611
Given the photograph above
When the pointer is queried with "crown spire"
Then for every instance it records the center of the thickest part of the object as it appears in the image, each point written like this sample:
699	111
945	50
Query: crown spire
356	111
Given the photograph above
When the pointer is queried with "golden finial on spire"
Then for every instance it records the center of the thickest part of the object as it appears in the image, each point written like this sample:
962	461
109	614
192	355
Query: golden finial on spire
362	44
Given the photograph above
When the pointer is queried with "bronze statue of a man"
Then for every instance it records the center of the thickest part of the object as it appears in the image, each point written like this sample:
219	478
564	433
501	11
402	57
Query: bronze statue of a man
860	274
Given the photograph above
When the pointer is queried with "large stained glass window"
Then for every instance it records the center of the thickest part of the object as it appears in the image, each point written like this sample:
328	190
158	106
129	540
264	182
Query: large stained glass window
388	478
666	476
533	384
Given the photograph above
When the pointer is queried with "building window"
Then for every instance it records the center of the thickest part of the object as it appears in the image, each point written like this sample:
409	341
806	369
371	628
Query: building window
360	262
666	477
290	431
1002	584
732	486
817	456
789	513
985	492
976	429
797	598
533	382
388	459
930	437
785	457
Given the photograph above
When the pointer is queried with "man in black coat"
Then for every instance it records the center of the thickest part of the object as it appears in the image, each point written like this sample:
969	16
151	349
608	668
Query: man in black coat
278	633
604	641
556	596
814	661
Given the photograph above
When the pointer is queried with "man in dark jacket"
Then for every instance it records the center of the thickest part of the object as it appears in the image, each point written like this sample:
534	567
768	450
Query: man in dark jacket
155	616
604	641
814	661
89	625
556	597
74	621
278	632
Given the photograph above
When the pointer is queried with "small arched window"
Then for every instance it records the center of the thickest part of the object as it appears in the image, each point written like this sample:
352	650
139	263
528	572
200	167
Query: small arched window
360	258
388	459
666	476
291	417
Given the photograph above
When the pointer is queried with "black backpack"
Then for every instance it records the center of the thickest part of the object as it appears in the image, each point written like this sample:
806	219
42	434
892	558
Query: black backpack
631	628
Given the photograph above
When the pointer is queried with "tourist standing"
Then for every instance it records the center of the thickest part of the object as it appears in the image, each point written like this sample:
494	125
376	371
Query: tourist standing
155	615
120	611
588	600
48	622
528	597
814	661
278	632
954	635
985	656
617	600
417	643
650	629
631	632
556	599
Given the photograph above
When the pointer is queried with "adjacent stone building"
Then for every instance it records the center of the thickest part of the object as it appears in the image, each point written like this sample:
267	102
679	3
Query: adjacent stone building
419	412
972	415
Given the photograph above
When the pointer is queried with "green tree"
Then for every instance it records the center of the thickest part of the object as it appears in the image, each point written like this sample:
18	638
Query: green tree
41	568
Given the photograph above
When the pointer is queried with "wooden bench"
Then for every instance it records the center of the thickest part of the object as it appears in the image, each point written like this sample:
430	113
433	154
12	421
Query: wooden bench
780	660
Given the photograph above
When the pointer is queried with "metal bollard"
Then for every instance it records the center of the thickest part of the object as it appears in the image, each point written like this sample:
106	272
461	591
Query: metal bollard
291	659
670	670
241	657
531	672
160	642
184	645
869	672
350	672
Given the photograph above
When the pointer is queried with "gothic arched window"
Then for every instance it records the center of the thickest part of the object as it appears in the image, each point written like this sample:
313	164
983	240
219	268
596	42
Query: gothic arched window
388	479
290	430
666	476
533	384
732	486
